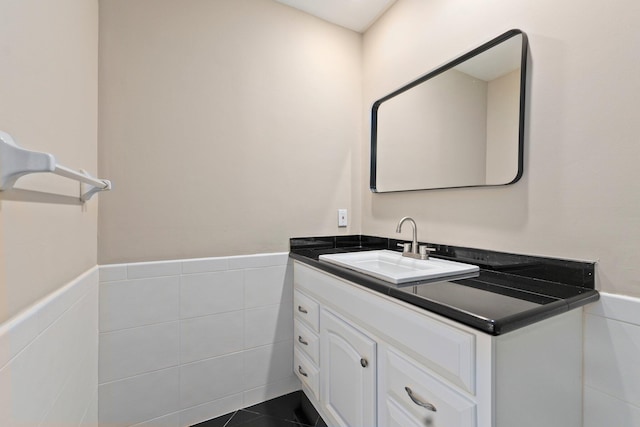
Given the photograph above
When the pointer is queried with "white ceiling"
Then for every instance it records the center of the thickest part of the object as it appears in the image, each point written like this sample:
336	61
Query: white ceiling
356	15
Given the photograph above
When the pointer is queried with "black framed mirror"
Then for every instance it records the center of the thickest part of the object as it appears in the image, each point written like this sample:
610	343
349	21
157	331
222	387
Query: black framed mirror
460	125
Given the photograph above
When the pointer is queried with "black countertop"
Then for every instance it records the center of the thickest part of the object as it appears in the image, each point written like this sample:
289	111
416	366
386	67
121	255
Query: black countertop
509	292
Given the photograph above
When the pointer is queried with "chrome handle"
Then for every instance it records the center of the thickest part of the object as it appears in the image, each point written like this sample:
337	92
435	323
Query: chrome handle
303	373
418	402
301	341
406	247
302	310
364	362
424	249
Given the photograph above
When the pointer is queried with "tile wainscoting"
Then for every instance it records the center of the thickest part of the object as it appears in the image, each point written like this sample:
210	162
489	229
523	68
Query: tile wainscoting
49	359
612	362
186	341
189	340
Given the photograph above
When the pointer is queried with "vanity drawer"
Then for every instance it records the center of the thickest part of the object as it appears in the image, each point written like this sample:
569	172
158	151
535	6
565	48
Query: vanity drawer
406	388
307	372
307	341
307	310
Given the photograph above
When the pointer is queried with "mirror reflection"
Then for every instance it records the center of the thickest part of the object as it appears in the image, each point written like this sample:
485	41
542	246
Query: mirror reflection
460	125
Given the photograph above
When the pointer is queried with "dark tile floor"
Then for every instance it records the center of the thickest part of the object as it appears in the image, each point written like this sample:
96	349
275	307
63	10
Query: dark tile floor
290	410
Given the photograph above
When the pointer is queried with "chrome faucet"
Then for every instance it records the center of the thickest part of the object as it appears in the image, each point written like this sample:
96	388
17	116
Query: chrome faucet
413	250
414	243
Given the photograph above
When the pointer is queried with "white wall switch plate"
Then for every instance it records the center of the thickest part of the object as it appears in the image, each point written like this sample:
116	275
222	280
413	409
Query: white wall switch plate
342	218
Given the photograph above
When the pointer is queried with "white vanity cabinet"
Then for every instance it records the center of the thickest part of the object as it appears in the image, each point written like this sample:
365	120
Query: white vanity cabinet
372	360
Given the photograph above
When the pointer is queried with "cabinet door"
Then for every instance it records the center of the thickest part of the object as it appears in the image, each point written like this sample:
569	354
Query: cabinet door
348	373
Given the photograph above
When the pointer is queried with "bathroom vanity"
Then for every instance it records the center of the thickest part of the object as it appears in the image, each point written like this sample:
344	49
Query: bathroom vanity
501	349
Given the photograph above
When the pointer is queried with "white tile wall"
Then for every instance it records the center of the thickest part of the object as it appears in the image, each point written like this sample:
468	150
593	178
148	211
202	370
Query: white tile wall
268	325
140	398
205	265
196	336
171	420
132	303
134	351
268	364
263	393
211	293
49	358
154	269
185	341
612	362
210	379
198	413
264	286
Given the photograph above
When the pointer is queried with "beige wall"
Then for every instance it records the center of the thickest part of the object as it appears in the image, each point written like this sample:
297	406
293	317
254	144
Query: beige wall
227	126
48	93
580	194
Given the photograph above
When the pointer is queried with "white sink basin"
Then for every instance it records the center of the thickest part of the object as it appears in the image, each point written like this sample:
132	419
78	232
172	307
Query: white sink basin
392	267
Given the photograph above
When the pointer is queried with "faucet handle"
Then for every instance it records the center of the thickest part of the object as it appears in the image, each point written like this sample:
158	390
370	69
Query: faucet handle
406	247
424	251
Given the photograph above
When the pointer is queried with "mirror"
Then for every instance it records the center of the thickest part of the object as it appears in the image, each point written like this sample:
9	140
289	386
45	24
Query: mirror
460	125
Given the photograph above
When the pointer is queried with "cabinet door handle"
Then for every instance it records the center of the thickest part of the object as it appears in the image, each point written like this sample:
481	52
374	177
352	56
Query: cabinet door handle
302	310
418	402
302	341
364	362
302	372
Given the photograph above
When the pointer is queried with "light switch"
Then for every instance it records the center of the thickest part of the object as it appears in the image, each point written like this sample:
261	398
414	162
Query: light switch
342	218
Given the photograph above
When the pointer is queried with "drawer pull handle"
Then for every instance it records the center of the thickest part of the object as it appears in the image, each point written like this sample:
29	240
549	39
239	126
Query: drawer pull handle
302	310
418	402
364	362
302	341
302	372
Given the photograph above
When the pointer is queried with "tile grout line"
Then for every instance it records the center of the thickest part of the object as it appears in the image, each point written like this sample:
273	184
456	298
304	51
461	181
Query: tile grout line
180	364
146	325
261	413
139	375
615	319
230	418
183	273
180	346
244	341
181	262
611	396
